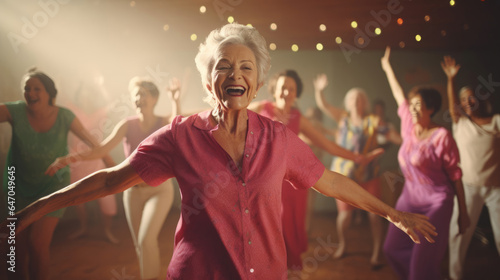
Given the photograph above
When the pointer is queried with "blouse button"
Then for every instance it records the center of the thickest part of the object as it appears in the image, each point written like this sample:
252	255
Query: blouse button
249	242
251	270
247	155
251	132
244	184
246	211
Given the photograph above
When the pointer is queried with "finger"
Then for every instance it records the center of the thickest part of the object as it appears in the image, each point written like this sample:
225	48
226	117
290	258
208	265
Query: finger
413	236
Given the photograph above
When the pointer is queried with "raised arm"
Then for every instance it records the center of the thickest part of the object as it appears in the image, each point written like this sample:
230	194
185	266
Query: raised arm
397	91
99	151
338	186
174	93
319	140
102	183
333	112
450	68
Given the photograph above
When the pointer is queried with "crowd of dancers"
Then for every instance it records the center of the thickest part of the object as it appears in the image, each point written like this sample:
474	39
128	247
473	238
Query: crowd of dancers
244	174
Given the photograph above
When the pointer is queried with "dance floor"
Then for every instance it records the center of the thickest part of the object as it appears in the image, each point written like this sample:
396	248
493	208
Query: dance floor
92	257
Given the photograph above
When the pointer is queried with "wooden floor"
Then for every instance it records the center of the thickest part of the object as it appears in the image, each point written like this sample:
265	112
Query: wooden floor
94	258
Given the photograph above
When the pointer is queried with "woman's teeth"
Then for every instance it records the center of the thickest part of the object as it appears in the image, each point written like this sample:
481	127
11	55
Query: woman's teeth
235	91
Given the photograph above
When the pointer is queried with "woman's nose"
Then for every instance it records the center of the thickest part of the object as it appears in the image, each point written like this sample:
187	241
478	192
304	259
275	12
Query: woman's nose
236	73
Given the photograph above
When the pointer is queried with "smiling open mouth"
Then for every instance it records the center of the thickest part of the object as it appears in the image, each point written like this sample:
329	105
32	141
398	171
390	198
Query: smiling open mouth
235	90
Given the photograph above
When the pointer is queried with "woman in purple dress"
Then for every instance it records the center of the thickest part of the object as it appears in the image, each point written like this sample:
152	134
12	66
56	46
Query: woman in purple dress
429	161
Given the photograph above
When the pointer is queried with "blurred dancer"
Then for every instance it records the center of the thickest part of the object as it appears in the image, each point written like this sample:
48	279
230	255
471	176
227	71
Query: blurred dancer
39	136
429	161
146	207
357	132
477	133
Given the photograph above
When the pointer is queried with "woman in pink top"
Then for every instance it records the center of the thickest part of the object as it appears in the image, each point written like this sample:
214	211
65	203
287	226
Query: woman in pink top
429	159
145	207
230	164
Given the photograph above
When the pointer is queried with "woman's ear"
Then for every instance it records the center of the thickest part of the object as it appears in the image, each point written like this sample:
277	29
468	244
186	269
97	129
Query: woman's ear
209	87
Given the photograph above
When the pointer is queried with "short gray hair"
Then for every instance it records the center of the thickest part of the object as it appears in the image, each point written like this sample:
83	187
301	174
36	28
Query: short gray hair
350	99
232	33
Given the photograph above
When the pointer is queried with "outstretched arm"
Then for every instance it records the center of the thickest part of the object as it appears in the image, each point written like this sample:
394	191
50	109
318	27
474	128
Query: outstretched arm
397	91
81	132
320	84
338	186
319	140
98	151
450	68
102	183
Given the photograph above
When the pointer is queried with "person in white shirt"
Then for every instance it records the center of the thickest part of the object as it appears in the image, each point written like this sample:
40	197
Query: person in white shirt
477	133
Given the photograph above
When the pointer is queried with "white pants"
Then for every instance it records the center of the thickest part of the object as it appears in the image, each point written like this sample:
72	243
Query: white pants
146	208
475	199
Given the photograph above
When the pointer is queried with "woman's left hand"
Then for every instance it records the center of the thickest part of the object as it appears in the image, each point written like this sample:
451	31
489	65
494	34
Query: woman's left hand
412	223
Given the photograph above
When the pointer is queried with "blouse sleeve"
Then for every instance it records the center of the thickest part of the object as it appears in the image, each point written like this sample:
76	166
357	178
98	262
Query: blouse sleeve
303	167
446	149
153	158
405	116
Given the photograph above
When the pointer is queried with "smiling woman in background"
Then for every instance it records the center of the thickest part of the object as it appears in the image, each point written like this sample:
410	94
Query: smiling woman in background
230	164
429	159
39	136
477	133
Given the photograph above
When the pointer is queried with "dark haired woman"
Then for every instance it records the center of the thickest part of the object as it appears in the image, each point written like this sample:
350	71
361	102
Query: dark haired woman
39	136
429	161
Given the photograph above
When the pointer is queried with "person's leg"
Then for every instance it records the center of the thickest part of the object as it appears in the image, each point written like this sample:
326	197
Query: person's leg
398	246
426	258
493	204
107	205
133	203
459	243
40	236
373	187
83	219
344	217
154	213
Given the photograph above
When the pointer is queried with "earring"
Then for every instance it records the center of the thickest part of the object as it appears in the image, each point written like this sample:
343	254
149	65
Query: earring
255	96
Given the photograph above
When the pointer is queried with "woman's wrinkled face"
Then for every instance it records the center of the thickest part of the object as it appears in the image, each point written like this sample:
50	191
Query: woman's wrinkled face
35	93
234	77
286	91
143	100
419	112
468	101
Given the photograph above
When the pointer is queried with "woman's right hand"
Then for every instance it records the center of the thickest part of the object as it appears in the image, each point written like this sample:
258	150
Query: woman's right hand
58	164
369	157
386	65
450	67
320	82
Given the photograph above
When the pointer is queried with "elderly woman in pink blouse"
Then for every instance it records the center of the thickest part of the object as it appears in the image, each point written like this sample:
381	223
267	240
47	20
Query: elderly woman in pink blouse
230	163
429	161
